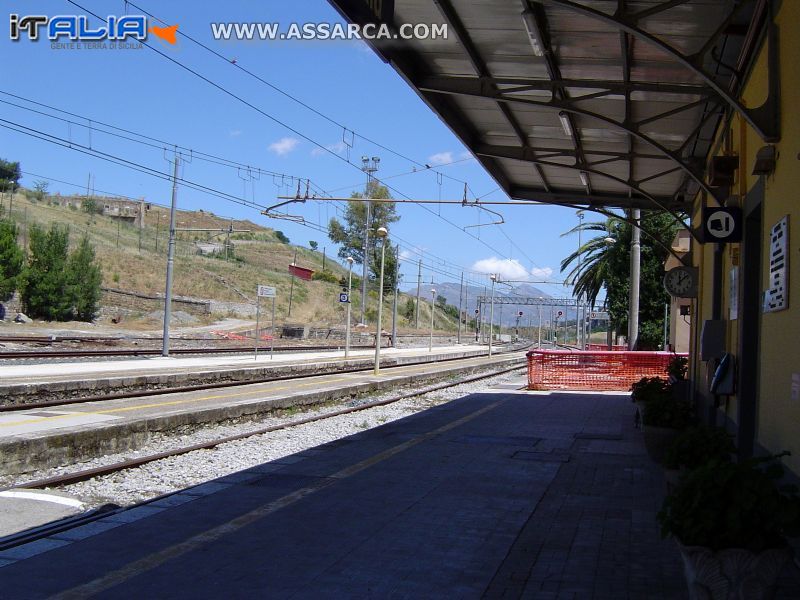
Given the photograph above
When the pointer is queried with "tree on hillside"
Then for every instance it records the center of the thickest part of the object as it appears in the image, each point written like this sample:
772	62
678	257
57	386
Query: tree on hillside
56	285
84	280
44	280
313	245
40	188
605	265
281	237
11	260
10	175
350	234
410	309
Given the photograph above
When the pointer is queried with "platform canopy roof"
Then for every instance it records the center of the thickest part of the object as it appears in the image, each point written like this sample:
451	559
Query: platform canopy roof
580	102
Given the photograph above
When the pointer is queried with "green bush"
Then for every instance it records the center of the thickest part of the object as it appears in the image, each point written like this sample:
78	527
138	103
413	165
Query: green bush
733	505
697	445
56	285
91	206
677	368
11	260
326	276
649	387
665	411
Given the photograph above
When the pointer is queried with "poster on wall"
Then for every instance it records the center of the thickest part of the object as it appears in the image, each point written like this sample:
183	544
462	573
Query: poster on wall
776	297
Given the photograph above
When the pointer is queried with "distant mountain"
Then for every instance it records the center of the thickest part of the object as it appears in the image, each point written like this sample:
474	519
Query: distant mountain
505	314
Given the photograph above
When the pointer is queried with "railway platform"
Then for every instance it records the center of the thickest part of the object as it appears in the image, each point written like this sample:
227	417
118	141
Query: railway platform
45	381
55	435
499	494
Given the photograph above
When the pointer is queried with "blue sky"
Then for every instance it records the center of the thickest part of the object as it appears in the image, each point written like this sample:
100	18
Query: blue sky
146	93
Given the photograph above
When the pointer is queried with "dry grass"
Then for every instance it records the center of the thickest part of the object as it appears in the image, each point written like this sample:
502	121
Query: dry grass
263	261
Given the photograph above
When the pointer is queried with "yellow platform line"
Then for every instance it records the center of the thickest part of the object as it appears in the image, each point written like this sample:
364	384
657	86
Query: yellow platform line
394	371
156	559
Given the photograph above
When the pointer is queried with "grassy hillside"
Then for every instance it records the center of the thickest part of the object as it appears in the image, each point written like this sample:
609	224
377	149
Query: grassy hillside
135	260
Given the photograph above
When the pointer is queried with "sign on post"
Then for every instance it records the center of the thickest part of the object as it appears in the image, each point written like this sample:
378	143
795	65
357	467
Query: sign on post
599	316
344	298
266	291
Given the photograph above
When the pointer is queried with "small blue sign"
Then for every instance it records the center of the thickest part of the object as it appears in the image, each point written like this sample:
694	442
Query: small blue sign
343	297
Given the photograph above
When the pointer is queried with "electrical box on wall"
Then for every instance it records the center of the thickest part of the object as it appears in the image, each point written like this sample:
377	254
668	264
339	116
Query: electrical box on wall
722	170
712	339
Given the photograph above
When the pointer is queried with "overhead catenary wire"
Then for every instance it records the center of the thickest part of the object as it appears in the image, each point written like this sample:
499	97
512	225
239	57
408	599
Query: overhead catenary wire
319	145
279	90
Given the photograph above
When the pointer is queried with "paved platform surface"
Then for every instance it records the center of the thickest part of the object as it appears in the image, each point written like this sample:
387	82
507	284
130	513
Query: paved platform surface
79	370
23	509
499	494
62	435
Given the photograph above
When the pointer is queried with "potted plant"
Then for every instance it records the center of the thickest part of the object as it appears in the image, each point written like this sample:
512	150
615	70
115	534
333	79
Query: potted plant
646	389
693	448
676	370
731	522
663	419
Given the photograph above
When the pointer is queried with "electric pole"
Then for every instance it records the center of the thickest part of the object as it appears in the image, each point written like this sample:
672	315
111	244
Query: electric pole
170	261
633	301
369	167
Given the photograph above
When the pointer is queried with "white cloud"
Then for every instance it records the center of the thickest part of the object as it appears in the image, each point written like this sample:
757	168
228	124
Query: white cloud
506	268
337	148
235	132
283	146
465	155
440	158
541	273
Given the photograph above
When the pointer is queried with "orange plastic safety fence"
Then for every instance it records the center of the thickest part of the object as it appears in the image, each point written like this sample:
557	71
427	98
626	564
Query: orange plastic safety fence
576	370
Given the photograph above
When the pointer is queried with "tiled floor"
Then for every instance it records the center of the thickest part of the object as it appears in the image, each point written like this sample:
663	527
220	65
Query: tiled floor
500	494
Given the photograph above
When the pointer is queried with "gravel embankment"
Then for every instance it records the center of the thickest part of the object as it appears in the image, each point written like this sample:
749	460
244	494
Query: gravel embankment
176	473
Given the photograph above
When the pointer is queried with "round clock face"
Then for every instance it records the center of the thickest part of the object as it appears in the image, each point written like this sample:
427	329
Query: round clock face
679	282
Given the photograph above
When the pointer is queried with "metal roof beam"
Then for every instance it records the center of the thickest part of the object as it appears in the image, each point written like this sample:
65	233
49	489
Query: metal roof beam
612	87
519	154
581	199
450	15
569	106
625	22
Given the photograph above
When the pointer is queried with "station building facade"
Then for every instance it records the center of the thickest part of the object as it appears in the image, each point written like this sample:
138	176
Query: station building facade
748	302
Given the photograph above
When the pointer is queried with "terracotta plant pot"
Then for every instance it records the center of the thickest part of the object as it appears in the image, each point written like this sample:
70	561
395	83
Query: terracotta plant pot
657	441
732	573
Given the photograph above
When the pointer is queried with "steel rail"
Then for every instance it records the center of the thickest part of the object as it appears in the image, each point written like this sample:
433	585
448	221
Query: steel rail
87	474
217	385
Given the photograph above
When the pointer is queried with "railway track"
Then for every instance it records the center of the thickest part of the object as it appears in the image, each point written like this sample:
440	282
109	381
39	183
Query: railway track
49	529
78	476
205	386
121	352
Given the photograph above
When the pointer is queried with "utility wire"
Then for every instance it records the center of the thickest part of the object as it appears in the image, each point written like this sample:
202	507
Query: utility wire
295	99
283	124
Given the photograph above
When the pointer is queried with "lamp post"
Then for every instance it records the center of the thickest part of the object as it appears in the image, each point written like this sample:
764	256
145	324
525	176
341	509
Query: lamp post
493	277
433	307
350	260
381	233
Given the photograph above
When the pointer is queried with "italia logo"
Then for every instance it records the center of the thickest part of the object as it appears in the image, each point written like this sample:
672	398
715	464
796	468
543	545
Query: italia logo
76	28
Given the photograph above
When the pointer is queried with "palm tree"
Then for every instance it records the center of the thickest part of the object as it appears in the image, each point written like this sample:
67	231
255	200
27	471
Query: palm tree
605	265
594	258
